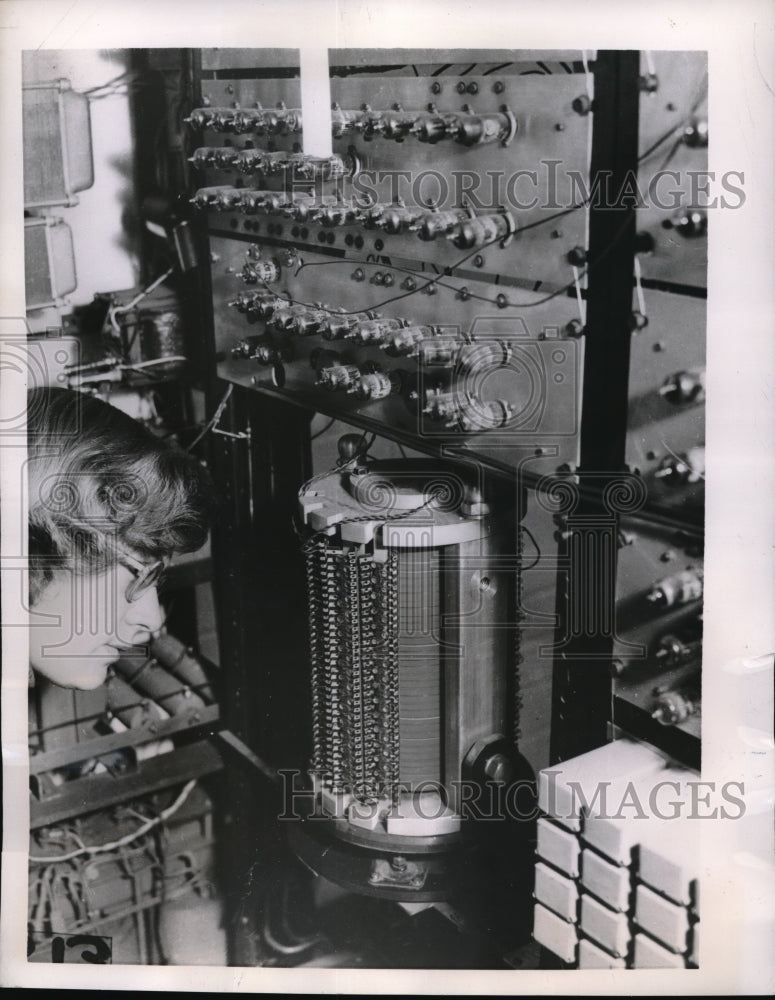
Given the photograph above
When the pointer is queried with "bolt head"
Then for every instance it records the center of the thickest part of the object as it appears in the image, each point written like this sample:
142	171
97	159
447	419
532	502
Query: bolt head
498	768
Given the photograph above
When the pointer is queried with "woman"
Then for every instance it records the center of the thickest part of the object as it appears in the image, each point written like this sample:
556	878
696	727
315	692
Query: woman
108	505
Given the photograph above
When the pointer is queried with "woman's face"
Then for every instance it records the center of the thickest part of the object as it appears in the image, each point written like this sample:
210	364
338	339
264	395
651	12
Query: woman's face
79	623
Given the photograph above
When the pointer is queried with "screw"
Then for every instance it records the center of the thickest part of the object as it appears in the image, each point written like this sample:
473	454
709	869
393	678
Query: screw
398	863
667	556
461	87
501	301
473	87
478	260
582	104
229	89
559	127
435	87
498	87
658	347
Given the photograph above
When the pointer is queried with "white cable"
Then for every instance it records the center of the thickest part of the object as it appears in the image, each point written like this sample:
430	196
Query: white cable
100	848
115	310
639	288
579	297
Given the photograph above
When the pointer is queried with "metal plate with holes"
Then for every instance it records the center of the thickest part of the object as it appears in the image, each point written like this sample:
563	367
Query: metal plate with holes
540	176
543	378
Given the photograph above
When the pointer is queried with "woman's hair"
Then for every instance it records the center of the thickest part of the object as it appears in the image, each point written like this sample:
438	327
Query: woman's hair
96	475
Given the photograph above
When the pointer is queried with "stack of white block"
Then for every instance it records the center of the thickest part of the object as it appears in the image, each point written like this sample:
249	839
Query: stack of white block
616	883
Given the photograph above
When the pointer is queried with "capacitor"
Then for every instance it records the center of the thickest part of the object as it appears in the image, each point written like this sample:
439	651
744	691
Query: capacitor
398	218
676	470
681	588
397	125
373	331
485	354
224	157
247	120
308	322
283	318
252	200
473	130
337	325
406	342
376	385
250	161
433	224
202	157
338	377
441	405
440	352
266	271
482	229
684	387
246	347
674	651
478	415
430	128
673	707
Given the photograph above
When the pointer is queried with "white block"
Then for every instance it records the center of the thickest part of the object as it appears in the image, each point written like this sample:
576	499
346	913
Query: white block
663	919
558	847
669	860
422	816
554	933
558	893
627	823
335	803
563	788
651	955
592	957
694	953
365	815
610	883
608	927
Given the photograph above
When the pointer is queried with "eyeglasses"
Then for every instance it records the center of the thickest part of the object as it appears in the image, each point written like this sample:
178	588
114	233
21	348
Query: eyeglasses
147	575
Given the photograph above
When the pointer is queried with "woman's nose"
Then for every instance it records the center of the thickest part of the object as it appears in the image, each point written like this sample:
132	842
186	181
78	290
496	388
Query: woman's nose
145	613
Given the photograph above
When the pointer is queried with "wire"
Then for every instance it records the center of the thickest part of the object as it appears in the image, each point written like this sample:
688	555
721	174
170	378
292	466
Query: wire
323	430
121	842
214	419
537	558
115	310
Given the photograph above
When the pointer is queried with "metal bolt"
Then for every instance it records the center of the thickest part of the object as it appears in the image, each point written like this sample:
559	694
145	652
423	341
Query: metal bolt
461	87
435	87
498	768
229	89
478	260
658	347
582	104
398	863
473	87
667	556
498	87
559	127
